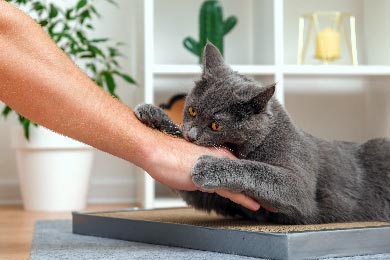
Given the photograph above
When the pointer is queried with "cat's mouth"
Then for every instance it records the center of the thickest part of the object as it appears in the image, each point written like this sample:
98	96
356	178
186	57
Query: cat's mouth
214	145
191	139
228	146
231	147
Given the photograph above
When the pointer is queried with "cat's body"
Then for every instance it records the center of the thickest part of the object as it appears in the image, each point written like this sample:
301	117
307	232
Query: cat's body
304	178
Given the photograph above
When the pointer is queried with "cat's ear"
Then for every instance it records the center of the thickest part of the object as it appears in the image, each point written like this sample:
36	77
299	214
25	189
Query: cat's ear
212	59
256	98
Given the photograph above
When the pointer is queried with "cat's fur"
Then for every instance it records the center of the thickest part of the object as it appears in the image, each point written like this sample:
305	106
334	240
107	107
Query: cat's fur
305	178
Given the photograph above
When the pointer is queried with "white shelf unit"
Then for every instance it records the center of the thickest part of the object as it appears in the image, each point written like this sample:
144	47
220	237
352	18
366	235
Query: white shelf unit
259	70
338	70
263	45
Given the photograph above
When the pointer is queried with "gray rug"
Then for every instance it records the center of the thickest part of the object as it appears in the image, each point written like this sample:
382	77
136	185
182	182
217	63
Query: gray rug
54	240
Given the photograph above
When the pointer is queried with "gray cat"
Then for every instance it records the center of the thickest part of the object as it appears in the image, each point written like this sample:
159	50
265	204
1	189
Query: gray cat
301	178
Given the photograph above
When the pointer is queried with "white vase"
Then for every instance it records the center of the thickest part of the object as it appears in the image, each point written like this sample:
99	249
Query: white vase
53	170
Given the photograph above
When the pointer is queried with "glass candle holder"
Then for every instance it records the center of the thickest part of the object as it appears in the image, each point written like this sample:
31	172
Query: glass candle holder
329	27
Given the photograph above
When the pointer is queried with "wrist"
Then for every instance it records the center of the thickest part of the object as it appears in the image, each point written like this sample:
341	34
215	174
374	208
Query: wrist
169	161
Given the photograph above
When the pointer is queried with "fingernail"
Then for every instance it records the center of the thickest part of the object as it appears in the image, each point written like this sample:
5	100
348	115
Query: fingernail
255	206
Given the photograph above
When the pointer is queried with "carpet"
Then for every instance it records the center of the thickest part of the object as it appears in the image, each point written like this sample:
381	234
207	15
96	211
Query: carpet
55	240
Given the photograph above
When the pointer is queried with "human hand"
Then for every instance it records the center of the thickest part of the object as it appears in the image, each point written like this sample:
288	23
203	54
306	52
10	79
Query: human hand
171	161
236	197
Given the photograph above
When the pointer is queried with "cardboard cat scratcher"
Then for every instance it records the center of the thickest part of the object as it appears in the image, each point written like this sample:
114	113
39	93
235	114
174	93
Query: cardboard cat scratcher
193	229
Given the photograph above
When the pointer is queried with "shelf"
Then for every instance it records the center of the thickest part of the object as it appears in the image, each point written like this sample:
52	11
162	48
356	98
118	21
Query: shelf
163	69
362	70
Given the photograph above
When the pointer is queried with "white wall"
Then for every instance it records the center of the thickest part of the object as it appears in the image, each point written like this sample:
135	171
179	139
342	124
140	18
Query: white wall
342	108
328	108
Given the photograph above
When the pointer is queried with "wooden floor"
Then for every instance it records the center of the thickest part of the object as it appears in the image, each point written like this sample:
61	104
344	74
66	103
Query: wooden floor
17	227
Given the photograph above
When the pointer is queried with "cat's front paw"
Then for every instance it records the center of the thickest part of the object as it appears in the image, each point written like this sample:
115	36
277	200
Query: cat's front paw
207	172
147	114
155	117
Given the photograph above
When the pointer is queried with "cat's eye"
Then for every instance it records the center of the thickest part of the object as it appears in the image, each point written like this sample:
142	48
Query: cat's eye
191	111
216	127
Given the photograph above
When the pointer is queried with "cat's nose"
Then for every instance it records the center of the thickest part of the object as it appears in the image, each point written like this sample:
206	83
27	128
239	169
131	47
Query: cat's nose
192	134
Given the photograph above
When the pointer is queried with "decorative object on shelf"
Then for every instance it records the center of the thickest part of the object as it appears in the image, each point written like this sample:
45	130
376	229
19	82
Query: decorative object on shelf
328	27
174	108
212	28
54	170
327	44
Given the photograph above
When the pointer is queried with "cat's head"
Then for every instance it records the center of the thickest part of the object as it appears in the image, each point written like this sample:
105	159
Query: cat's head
224	107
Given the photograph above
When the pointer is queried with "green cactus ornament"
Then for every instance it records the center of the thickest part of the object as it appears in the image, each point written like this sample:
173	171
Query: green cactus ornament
212	28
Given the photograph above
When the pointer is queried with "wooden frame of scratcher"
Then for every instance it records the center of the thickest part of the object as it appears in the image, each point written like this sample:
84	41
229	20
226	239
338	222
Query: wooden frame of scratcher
188	228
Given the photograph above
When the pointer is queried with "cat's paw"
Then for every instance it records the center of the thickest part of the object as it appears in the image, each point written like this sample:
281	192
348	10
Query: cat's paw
206	172
147	114
155	117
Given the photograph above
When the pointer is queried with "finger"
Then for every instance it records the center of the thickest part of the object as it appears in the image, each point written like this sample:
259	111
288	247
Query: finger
207	191
240	199
269	208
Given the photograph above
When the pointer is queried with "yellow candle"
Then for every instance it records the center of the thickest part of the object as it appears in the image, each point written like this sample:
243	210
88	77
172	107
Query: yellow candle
328	44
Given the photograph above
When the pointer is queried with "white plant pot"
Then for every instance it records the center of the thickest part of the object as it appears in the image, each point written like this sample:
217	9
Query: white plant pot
54	170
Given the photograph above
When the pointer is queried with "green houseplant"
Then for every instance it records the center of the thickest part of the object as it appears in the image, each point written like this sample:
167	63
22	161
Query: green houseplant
68	28
54	170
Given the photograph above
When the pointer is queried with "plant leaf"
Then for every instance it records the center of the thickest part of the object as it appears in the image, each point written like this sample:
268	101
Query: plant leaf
110	82
93	9
53	11
81	4
6	111
26	128
99	81
126	77
84	15
68	14
82	37
37	6
96	50
99	40
87	56
92	67
51	28
43	23
114	52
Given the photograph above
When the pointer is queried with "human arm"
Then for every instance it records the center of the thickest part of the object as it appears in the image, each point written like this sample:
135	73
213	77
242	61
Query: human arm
40	82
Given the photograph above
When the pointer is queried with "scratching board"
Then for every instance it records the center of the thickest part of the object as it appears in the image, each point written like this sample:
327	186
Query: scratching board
188	228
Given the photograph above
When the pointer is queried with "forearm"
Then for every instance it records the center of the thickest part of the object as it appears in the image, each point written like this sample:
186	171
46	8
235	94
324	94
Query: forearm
41	83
